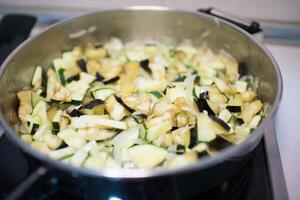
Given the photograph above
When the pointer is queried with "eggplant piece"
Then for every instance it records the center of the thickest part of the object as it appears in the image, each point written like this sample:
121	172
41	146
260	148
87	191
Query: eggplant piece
202	154
220	122
180	149
197	80
194	137
81	64
75	102
145	65
174	128
219	143
120	101
62	76
93	103
234	109
75	113
44	82
99	77
180	79
203	105
111	80
73	78
204	95
239	121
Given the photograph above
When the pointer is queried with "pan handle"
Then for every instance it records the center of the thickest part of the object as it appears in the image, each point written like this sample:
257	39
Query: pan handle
251	27
28	183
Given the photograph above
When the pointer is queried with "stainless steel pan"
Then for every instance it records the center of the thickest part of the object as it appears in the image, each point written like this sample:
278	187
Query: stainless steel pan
141	23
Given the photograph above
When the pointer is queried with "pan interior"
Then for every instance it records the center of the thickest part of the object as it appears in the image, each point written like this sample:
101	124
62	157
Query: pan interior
158	25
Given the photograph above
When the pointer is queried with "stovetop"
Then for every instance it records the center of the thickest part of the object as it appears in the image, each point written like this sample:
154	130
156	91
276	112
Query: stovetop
261	178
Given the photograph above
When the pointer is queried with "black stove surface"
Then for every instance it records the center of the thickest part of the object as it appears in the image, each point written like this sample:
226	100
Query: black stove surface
259	179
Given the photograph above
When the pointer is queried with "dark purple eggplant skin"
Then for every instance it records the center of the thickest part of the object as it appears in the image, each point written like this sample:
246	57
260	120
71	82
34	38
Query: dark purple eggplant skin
203	105
99	77
219	143
111	80
73	78
220	122
194	137
92	104
145	65
234	109
75	113
120	101
81	64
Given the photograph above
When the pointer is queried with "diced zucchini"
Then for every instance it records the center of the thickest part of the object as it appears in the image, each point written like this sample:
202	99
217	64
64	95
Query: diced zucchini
96	134
56	121
40	110
33	123
71	138
78	90
79	157
157	94
254	122
158	130
97	161
103	93
62	153
126	138
52	141
61	76
37	77
225	115
147	156
96	121
87	78
205	130
40	132
182	160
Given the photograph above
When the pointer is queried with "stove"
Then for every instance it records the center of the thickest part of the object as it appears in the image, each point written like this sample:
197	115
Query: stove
261	177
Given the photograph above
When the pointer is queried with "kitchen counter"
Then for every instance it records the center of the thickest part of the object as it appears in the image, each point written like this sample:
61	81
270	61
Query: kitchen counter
287	119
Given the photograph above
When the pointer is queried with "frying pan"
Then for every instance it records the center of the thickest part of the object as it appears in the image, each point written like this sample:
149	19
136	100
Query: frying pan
141	23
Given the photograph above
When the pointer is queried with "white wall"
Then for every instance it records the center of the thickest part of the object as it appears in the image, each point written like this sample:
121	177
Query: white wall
275	10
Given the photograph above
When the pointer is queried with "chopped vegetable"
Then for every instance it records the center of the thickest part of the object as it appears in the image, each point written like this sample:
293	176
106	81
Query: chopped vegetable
135	105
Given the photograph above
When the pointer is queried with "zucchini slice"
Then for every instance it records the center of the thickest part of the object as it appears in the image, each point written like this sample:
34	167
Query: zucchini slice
36	81
96	121
71	138
103	93
56	121
87	78
147	155
40	110
205	130
158	130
